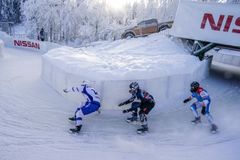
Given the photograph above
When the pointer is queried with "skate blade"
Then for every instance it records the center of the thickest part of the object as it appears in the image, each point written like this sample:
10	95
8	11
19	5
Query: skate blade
133	122
194	123
141	133
214	132
71	132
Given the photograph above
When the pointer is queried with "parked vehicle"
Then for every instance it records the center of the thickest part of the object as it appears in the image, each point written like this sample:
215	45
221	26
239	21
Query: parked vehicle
146	27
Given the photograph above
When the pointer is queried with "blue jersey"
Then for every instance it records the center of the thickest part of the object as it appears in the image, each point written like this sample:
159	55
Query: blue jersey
201	95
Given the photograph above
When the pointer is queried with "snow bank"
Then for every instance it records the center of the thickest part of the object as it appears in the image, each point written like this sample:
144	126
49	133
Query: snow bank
27	44
1	48
158	64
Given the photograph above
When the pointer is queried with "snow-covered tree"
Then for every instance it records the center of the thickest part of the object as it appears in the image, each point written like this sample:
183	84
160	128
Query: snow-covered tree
91	20
10	10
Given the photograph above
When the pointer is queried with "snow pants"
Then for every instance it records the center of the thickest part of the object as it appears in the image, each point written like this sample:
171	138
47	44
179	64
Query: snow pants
198	105
145	108
87	108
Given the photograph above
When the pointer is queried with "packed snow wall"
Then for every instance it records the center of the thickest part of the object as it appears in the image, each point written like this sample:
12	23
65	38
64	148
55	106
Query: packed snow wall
1	48
160	66
168	91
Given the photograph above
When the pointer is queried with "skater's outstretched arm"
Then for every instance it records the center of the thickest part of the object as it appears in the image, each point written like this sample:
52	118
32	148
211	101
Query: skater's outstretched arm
187	99
130	100
74	89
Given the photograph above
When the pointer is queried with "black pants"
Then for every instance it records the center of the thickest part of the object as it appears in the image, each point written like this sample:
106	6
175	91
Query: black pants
145	107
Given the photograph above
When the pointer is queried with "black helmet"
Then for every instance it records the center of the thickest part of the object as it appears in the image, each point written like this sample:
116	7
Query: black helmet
133	87
194	86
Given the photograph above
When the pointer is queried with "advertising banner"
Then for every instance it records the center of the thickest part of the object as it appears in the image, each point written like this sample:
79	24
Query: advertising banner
211	22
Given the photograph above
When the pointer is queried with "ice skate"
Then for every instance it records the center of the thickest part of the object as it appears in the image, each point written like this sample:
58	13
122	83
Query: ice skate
214	128
132	120
196	120
76	130
143	129
72	119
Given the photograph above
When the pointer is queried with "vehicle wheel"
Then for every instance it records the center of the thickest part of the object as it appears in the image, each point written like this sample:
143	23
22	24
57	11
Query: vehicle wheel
162	28
129	35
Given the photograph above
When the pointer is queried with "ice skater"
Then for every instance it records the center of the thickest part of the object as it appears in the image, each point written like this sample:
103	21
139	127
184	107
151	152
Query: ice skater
144	106
203	102
91	105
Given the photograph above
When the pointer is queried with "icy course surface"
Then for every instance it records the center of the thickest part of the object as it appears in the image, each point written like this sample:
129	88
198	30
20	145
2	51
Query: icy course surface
33	123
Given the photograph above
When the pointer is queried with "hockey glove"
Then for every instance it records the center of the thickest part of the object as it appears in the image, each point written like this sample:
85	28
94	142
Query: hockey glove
203	111
121	104
186	100
125	111
65	91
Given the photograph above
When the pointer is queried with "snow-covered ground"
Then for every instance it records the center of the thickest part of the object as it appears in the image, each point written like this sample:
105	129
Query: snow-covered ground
33	122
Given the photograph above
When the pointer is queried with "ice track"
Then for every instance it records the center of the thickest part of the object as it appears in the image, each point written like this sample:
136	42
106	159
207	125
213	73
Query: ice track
34	125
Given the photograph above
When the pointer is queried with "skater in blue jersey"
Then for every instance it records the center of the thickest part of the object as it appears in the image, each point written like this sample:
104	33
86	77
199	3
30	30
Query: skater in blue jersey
144	106
203	102
91	105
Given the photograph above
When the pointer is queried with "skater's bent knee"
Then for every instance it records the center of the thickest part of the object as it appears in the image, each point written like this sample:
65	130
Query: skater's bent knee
193	107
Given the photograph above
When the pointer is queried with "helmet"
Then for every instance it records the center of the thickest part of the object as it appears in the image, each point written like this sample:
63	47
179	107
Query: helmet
85	82
133	87
194	86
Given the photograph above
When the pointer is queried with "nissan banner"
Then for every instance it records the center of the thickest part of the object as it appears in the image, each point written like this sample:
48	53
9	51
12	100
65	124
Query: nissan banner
211	22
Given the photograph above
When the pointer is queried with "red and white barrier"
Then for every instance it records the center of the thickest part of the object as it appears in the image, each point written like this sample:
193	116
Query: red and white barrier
27	44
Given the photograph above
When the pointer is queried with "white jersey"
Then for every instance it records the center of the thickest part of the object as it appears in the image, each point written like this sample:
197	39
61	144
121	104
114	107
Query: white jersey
89	92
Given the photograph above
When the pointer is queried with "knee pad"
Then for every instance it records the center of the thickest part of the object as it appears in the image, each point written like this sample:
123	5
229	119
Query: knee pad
193	107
